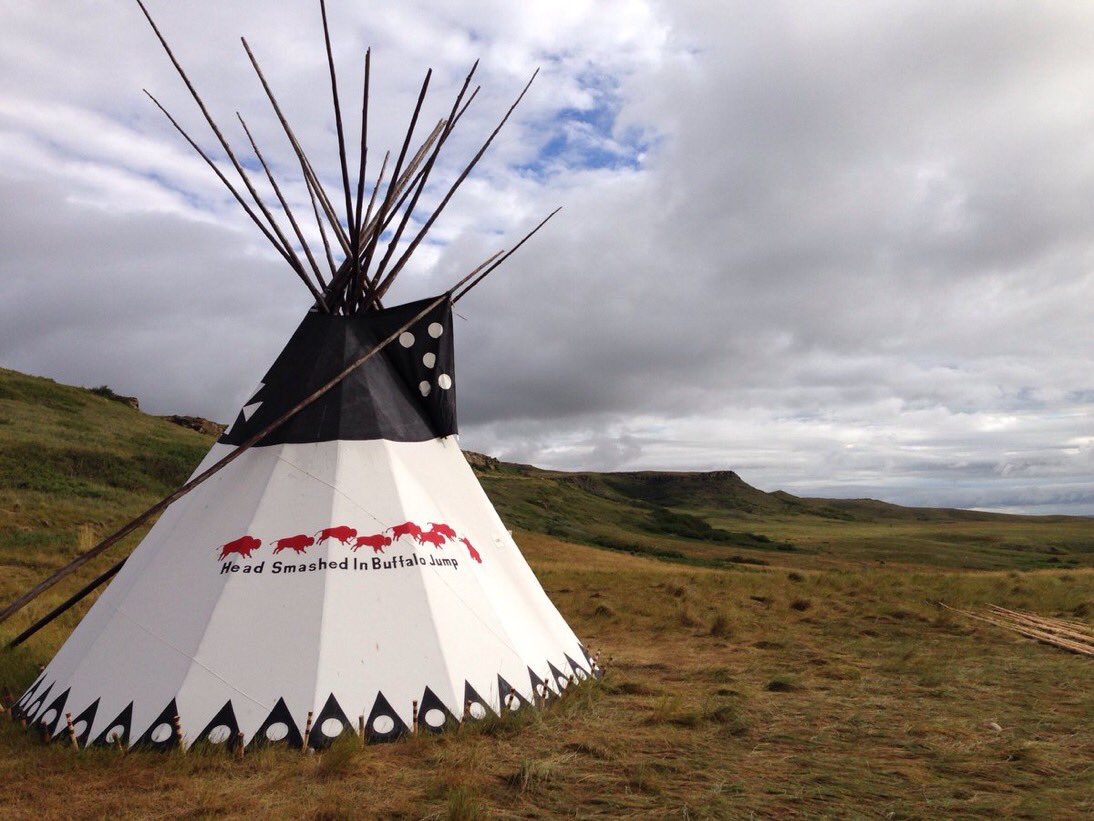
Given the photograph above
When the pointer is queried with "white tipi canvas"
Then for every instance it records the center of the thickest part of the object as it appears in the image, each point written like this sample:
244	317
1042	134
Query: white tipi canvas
348	568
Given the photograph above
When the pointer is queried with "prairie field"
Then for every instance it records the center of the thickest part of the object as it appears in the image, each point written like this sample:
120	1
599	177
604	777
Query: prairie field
765	655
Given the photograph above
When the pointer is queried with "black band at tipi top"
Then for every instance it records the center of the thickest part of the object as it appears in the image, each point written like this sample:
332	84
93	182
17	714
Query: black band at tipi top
406	393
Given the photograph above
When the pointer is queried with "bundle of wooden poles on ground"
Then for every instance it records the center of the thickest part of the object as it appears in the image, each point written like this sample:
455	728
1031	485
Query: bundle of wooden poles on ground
1073	636
369	238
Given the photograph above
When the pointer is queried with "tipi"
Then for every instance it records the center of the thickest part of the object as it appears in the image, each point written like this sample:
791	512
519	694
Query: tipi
334	565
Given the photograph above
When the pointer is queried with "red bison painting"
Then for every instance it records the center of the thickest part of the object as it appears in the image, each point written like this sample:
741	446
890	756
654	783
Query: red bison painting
341	533
443	529
243	546
471	550
405	529
431	537
299	543
377	542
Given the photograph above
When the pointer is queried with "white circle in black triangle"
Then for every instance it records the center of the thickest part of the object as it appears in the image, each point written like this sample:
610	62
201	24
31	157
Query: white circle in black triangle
429	359
277	731
406	339
424	387
332	727
434	717
383	724
444	381
219	734
435	329
161	733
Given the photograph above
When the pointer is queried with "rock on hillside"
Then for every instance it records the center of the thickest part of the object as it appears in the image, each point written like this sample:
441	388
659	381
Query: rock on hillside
198	423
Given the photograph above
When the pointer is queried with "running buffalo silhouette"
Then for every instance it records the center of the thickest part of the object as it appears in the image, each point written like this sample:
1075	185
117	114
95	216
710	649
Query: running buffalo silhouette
341	533
471	550
377	542
240	547
431	537
299	543
443	529
405	529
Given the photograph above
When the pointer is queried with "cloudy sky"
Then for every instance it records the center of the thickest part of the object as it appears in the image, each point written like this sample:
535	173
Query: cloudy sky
843	249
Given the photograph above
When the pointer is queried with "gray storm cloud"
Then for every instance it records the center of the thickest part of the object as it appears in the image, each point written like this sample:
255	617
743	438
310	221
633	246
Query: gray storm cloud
840	249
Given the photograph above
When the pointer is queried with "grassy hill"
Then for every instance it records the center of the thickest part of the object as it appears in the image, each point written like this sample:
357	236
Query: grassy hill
717	519
767	654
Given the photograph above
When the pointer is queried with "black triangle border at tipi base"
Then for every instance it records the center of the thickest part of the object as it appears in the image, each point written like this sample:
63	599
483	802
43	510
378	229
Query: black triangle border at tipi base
279	727
123	724
225	717
37	705
381	708
163	733
594	666
50	718
510	696
429	705
580	673
87	718
279	715
541	686
560	679
319	738
472	699
18	708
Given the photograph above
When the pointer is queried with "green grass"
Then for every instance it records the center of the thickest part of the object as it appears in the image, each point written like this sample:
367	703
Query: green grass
822	683
725	521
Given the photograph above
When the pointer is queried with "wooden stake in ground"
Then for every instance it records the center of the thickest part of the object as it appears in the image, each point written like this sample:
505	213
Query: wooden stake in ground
307	732
176	727
71	730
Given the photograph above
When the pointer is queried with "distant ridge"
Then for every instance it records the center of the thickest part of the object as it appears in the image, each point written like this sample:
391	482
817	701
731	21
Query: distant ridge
720	489
725	489
74	461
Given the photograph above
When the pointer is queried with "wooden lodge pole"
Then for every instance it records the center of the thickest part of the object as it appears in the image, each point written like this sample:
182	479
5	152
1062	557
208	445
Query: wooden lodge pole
382	287
66	604
307	732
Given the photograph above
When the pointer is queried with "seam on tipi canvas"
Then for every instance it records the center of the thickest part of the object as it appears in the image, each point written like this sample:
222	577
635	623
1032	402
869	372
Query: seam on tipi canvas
547	623
396	471
230	581
135	575
319	699
176	690
506	640
404	479
549	617
194	659
333	487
